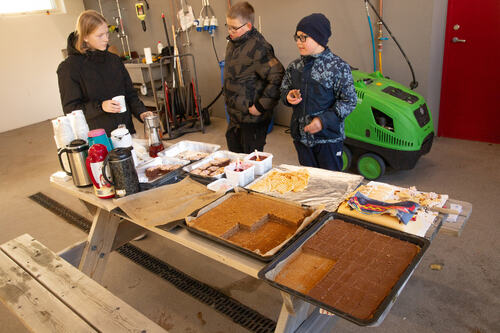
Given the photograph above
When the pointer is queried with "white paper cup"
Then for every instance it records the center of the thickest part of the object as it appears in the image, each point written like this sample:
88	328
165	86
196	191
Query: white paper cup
121	100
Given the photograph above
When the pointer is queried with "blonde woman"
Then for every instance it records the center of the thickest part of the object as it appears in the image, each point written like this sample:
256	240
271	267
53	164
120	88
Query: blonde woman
91	76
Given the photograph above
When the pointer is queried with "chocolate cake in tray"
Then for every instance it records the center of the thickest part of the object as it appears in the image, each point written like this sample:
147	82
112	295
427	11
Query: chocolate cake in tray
251	222
348	267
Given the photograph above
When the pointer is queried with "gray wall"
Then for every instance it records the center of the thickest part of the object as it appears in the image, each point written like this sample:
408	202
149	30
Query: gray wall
417	24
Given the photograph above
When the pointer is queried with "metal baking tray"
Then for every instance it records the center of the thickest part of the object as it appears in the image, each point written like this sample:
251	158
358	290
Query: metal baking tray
217	154
141	168
383	309
186	145
222	241
168	178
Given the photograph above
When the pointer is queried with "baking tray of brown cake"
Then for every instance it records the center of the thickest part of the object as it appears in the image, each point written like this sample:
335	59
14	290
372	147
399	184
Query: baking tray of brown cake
252	223
349	267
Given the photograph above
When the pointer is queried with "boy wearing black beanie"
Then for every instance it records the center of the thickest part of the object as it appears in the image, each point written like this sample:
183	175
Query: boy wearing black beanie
320	89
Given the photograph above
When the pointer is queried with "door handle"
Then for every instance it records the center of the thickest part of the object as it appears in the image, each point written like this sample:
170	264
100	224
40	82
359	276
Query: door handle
457	40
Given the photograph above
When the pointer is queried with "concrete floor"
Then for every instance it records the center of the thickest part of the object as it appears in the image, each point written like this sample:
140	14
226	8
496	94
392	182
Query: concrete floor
463	297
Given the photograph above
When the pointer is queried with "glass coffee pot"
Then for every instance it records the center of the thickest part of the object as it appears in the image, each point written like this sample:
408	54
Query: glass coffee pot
152	131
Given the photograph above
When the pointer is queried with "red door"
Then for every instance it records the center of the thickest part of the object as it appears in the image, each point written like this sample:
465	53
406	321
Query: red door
470	87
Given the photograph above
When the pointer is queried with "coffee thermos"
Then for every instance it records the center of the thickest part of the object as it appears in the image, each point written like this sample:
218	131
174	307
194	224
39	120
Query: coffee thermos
125	179
99	136
76	153
94	163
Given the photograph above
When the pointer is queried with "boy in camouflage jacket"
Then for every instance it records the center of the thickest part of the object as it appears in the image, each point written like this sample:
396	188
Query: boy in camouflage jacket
320	89
252	79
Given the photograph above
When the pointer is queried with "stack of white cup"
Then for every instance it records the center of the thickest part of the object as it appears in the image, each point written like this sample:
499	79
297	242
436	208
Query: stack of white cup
79	124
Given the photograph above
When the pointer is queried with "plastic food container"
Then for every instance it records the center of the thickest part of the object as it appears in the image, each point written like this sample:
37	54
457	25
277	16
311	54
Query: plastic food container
186	145
211	157
262	166
240	178
222	184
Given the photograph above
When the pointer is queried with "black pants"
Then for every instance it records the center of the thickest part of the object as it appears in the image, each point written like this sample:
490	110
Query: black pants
247	137
325	155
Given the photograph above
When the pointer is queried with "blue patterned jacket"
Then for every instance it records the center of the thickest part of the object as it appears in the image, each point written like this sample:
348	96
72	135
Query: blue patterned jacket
327	89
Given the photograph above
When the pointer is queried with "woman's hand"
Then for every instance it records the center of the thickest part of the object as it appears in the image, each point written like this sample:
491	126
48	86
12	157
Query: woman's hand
145	114
111	106
253	111
294	97
314	126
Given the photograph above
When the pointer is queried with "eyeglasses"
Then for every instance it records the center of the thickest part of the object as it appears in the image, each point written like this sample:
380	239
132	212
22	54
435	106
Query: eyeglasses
302	38
231	28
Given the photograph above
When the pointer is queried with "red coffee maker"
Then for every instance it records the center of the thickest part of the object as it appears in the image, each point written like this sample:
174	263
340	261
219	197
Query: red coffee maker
95	159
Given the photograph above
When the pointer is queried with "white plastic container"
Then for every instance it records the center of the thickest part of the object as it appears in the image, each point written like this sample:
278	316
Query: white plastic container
263	166
240	178
222	184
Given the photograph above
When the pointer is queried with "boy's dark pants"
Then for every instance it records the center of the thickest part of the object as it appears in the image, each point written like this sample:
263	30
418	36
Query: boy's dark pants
247	138
324	155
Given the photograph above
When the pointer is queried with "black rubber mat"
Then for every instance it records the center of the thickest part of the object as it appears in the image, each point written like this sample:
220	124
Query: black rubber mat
239	313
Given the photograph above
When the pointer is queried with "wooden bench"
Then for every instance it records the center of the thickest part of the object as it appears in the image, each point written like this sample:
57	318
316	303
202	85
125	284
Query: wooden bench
50	295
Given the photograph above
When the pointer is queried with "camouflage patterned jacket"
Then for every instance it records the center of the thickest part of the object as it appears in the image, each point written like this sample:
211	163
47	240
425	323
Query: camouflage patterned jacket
327	89
252	76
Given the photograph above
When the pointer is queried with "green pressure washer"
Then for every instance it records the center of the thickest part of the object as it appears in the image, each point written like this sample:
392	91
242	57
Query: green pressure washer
390	126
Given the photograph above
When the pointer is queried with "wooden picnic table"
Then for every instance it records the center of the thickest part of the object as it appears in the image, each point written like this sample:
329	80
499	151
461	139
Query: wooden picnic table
109	231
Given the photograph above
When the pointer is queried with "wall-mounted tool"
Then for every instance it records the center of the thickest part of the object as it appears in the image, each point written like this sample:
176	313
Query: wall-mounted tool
169	50
140	10
121	32
186	19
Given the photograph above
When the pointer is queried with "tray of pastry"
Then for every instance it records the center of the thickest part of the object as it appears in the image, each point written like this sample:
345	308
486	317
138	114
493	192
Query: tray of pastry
191	151
349	267
160	171
256	224
211	168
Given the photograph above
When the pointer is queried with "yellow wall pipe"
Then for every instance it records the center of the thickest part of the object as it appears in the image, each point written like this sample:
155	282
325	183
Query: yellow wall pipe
380	36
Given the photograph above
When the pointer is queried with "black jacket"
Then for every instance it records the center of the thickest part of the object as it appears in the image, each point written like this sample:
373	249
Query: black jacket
252	76
86	80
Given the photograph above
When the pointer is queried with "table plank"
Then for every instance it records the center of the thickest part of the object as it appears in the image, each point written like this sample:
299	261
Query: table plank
83	193
84	296
38	309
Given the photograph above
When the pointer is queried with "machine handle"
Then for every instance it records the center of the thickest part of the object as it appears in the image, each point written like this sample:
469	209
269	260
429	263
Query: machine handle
457	40
59	153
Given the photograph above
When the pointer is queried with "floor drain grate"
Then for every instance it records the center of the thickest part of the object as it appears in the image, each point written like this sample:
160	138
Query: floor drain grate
238	312
222	303
67	214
